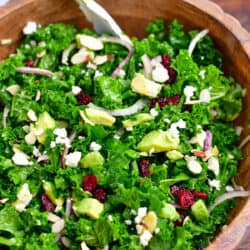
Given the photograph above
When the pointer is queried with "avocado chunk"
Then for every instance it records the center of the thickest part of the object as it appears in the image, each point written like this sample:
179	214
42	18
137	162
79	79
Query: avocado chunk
92	160
143	86
90	207
50	191
138	119
45	121
169	212
100	117
174	155
159	141
199	210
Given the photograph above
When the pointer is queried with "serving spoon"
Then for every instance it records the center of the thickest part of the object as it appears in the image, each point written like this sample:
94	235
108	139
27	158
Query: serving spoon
101	20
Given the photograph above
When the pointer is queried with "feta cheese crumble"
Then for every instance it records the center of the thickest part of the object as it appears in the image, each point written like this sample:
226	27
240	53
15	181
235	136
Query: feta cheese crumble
20	159
29	28
76	90
214	184
160	73
154	112
95	146
60	132
72	159
145	238
213	165
174	126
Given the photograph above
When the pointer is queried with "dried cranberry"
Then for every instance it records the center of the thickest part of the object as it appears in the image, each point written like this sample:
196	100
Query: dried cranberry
89	183
200	195
181	219
100	194
175	190
144	168
163	101
186	198
83	98
30	63
166	60
47	204
172	75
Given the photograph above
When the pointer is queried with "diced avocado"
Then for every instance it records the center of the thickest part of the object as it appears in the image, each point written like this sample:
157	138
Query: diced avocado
50	191
159	141
140	118
174	155
143	86
45	121
99	117
169	212
88	206
199	210
92	160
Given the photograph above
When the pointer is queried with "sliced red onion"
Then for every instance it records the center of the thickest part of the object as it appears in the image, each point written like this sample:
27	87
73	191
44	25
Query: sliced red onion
227	196
208	141
195	40
140	104
244	141
66	149
123	43
5	115
66	52
146	66
68	211
59	238
31	70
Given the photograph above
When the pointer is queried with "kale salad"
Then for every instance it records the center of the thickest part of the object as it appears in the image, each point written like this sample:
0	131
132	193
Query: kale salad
116	144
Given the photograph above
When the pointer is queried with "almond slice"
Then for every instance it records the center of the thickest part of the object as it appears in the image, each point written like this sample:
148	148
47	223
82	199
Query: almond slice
89	42
150	221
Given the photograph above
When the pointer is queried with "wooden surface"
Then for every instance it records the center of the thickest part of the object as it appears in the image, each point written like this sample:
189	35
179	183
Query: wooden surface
238	8
230	37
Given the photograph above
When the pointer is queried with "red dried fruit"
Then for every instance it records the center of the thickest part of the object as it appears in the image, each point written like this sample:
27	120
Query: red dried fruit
47	204
200	195
30	63
89	183
144	167
166	60
163	101
100	194
186	198
175	190
172	75
83	98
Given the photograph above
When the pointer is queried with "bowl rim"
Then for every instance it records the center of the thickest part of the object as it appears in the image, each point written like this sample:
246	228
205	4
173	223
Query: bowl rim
234	234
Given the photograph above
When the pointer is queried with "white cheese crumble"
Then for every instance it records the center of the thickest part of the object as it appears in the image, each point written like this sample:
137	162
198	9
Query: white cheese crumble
72	159
214	184
157	230
193	165
142	211
98	73
60	132
117	137
29	28
110	218
213	165
95	146
36	152
174	126
159	73
32	115
23	198
189	92
76	90
166	120
154	112
202	74
229	188
199	139
20	159
128	222
53	144
145	237
91	66
122	73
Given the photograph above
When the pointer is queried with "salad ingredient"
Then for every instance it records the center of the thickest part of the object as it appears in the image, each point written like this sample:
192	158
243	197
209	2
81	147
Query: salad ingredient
47	204
31	70
50	192
89	42
100	195
199	210
138	119
168	211
163	101
89	183
195	40
92	160
144	168
88	206
159	141
145	87
174	155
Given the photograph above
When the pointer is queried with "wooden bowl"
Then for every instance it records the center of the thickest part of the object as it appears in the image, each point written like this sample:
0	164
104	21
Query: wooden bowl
230	37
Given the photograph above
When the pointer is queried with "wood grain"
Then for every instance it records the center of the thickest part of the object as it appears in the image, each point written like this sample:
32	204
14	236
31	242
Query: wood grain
230	37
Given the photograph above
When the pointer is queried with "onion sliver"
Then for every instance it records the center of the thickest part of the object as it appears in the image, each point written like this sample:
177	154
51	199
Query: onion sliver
195	40
37	71
228	195
123	43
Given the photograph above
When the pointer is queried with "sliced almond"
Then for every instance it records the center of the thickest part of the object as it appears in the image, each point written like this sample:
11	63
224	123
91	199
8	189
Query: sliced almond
89	42
58	226
53	218
82	56
199	153
150	221
4	200
13	89
65	241
100	59
41	54
30	138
